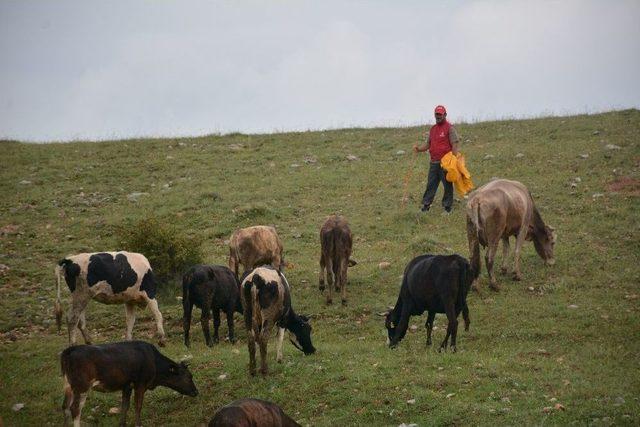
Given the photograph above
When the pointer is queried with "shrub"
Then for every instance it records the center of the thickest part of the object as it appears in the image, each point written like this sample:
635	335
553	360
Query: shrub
169	251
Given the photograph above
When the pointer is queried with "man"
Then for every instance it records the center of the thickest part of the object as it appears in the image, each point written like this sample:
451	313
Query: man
441	140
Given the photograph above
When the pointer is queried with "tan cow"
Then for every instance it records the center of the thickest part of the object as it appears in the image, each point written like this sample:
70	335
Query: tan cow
255	246
335	249
501	209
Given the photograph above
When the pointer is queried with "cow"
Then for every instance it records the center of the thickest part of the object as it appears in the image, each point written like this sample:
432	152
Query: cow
336	241
266	300
212	288
436	284
498	210
251	413
110	278
255	246
125	366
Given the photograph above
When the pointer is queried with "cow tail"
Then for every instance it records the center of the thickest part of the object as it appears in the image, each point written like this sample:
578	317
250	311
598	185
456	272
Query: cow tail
465	277
473	234
58	304
248	305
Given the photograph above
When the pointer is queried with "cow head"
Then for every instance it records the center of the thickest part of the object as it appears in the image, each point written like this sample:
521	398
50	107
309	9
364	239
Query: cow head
179	378
300	335
544	239
390	322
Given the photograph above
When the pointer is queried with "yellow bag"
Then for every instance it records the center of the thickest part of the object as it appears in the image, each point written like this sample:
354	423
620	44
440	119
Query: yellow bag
457	172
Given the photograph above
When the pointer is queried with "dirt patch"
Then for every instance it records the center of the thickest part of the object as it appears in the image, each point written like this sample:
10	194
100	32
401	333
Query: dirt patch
625	185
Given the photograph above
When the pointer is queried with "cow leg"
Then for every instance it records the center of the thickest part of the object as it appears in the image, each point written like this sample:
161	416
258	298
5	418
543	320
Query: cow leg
139	397
465	315
130	316
343	279
251	344
505	255
78	306
489	258
279	345
330	281
517	274
67	401
124	405
187	308
262	341
452	327
474	251
76	407
216	324
204	320
153	306
429	325
230	311
403	324
321	275
82	325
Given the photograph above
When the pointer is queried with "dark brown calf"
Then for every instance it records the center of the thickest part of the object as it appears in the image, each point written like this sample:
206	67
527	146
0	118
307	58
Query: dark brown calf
126	366
213	288
336	242
251	413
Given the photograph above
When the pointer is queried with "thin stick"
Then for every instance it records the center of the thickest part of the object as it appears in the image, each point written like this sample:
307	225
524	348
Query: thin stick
406	180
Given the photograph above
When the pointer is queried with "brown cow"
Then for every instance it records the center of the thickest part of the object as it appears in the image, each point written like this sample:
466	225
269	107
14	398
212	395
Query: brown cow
501	209
251	413
255	246
335	241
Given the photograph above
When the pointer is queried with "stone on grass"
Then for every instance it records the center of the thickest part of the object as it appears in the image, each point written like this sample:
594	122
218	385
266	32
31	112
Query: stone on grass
133	197
17	407
384	265
352	158
612	147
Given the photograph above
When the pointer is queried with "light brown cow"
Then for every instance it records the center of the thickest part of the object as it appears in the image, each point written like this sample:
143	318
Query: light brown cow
501	209
336	242
255	246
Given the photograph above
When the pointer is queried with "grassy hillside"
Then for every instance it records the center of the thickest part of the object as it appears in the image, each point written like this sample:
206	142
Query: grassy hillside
568	334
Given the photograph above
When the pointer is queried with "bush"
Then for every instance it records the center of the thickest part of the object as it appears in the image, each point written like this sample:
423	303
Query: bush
169	251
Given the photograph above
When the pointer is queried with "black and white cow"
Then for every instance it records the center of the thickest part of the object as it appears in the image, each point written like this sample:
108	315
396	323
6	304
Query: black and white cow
266	300
110	278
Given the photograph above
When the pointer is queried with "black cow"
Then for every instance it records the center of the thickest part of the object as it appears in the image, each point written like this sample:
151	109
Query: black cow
110	278
251	413
436	284
266	300
212	288
125	366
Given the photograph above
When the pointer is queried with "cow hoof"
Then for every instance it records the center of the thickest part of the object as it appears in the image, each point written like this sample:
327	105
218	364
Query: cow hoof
428	342
344	302
453	349
337	289
329	302
233	340
216	340
321	288
264	372
494	287
442	349
504	270
187	344
517	277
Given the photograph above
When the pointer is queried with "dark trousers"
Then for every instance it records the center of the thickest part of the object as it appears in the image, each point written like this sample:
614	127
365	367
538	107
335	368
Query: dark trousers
436	175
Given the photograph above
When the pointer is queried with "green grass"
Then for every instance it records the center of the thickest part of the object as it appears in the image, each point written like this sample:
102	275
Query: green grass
526	350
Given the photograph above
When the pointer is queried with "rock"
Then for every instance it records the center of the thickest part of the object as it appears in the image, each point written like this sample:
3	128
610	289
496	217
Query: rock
612	147
619	401
310	160
596	132
235	351
384	265
413	328
113	411
133	197
24	182
411	401
296	235
596	195
352	158
182	144
584	156
222	377
559	407
450	395
488	157
574	185
169	157
519	155
235	147
547	409
573	306
295	165
167	185
400	153
408	425
531	288
17	407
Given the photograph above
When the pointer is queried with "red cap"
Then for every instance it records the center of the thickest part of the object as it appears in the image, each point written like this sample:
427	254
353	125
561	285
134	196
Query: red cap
441	110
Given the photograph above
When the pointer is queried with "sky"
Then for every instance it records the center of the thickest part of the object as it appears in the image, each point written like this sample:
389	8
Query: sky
76	70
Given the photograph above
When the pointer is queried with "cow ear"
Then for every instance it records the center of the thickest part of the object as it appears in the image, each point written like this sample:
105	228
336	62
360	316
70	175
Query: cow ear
304	318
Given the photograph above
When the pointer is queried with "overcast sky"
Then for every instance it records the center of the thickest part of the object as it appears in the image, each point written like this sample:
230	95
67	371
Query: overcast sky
114	69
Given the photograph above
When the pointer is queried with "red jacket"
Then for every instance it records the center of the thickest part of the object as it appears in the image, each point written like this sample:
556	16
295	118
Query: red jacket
439	143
